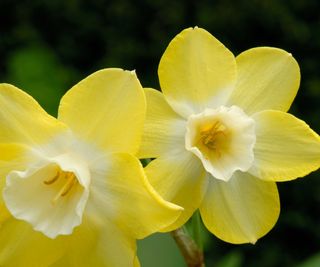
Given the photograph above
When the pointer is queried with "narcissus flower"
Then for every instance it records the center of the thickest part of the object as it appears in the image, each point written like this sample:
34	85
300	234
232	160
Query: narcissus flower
221	134
73	194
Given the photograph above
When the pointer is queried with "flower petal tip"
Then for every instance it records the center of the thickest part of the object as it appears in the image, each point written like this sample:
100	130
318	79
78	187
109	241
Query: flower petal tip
133	72
253	241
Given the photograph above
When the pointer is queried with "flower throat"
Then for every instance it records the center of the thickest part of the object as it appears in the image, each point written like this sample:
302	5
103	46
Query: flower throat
209	137
70	181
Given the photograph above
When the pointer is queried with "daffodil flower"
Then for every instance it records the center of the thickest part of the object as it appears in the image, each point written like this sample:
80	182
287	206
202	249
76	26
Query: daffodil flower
72	193
221	135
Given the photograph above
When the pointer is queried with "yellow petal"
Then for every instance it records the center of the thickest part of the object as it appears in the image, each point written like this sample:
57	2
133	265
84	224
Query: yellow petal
107	108
22	120
196	71
4	214
180	179
12	157
102	245
164	129
21	246
120	191
268	78
241	210
286	147
136	262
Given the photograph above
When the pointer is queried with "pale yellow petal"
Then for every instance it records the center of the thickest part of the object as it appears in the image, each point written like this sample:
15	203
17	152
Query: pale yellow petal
107	109
286	147
4	214
268	78
120	191
163	130
180	179
12	157
102	245
21	246
22	120
241	210
196	71
136	262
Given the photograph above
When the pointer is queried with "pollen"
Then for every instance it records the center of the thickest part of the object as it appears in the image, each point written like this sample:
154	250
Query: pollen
53	179
67	185
210	137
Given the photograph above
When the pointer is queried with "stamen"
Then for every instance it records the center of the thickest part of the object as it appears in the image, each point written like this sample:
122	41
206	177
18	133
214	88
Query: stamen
71	180
53	179
209	137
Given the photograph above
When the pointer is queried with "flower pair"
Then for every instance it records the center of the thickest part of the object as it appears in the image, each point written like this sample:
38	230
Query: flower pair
75	195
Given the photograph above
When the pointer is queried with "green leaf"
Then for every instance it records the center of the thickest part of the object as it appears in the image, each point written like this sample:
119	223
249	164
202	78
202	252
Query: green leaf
159	250
232	259
313	261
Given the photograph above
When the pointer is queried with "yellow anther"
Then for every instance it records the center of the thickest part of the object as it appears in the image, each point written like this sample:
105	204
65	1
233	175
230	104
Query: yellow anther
71	180
67	186
209	137
53	179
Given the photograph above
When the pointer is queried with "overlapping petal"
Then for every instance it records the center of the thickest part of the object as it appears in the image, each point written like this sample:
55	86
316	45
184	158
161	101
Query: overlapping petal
136	262
196	71
90	245
241	210
180	179
164	129
97	109
102	245
21	246
121	192
286	147
268	78
12	157
4	213
22	120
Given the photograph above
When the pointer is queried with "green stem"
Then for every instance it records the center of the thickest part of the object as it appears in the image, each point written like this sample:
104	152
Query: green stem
196	227
192	254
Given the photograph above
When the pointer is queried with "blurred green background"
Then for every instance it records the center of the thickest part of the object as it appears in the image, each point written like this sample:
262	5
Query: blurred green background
47	46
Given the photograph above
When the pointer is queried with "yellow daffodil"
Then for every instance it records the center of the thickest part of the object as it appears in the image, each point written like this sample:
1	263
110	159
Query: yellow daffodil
73	194
221	134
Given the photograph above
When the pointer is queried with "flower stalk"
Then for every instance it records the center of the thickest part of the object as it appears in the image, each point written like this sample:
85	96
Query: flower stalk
191	252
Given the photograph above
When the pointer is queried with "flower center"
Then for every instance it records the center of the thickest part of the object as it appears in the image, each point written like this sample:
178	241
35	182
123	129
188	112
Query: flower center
70	181
210	137
223	139
51	195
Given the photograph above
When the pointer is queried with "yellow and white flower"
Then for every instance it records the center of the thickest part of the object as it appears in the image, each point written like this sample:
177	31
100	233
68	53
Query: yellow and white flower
221	134
73	194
